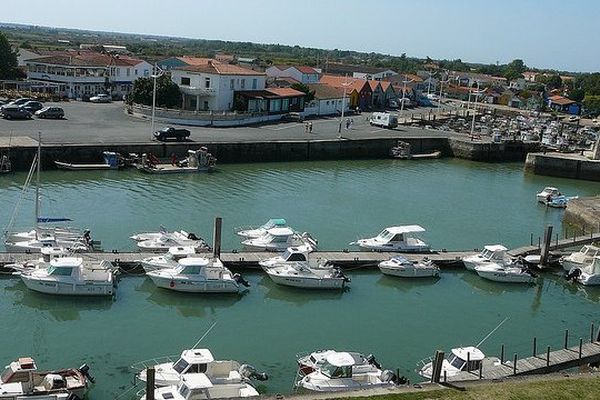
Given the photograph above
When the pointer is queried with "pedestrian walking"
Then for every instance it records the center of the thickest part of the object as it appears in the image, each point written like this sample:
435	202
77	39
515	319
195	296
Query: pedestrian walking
310	127
351	123
347	123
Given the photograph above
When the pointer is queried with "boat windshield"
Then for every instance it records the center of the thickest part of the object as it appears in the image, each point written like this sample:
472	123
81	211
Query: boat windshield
277	239
190	270
184	391
457	362
385	235
487	254
333	372
589	251
62	271
5	375
180	365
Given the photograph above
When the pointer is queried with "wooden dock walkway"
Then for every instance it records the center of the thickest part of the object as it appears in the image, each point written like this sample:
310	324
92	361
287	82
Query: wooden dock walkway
243	260
557	244
548	362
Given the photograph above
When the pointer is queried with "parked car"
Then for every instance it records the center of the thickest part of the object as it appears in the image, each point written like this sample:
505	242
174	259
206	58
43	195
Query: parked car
15	112
50	112
33	106
100	98
172	133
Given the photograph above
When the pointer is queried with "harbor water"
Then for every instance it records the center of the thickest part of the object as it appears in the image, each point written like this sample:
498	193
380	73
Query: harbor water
462	204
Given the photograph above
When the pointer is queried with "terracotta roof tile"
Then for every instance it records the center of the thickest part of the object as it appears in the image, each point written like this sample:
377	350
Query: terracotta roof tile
342	81
325	92
285	92
219	68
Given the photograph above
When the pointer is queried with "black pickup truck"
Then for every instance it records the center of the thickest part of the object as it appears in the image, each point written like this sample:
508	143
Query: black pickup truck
172	133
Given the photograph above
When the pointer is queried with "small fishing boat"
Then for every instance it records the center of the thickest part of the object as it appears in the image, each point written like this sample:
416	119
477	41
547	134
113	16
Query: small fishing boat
41	232
197	386
250	232
22	380
403	267
341	371
36	245
581	258
68	276
396	238
402	151
495	253
170	370
291	254
112	160
196	161
168	260
300	275
48	253
279	239
460	359
198	275
307	363
588	274
173	239
547	194
514	272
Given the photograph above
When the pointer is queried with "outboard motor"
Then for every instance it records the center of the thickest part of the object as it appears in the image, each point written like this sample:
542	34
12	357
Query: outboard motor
85	371
240	280
388	376
573	274
339	274
249	372
192	236
371	360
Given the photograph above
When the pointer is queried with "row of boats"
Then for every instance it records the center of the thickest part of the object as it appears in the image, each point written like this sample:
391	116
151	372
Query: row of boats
196	374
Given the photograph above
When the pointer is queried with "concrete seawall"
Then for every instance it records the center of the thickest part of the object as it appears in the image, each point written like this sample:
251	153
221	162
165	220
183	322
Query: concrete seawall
584	213
572	166
268	151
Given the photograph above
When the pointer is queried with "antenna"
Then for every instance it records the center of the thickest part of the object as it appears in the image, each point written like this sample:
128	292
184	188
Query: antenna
492	332
205	334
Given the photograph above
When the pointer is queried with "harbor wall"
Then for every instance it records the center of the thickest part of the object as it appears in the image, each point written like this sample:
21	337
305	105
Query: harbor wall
491	151
572	166
584	213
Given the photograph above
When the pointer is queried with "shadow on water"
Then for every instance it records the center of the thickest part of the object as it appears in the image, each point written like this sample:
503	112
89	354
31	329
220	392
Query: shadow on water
61	308
298	296
188	304
493	288
406	284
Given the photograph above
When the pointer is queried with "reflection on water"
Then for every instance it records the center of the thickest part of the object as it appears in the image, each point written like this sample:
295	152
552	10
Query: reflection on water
407	285
298	296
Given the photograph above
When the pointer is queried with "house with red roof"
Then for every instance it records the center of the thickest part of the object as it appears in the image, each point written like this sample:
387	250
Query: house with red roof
328	100
563	104
358	90
270	101
302	74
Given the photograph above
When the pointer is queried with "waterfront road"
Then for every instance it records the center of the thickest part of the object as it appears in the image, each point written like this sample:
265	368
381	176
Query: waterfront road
88	123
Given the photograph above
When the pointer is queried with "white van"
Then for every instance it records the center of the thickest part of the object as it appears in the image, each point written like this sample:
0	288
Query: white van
385	120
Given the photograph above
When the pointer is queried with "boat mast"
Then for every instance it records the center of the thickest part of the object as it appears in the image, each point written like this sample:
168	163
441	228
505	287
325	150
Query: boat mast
492	332
37	183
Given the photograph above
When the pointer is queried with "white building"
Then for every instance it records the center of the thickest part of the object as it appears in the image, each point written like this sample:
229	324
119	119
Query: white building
211	86
328	100
303	74
77	74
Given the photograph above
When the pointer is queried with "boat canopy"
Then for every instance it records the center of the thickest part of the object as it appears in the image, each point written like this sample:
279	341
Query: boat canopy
197	356
401	259
281	232
341	359
196	381
181	250
194	261
405	229
474	354
274	222
66	262
49	219
495	247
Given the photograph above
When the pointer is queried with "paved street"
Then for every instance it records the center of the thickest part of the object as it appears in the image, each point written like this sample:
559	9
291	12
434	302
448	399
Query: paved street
108	123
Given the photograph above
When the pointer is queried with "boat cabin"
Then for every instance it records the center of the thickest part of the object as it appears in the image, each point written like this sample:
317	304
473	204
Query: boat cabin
19	371
49	253
338	365
466	358
493	252
177	253
274	223
66	266
278	235
590	251
193	361
399	234
295	254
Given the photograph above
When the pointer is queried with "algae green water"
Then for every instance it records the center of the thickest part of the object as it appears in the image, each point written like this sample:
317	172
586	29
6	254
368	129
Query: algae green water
462	204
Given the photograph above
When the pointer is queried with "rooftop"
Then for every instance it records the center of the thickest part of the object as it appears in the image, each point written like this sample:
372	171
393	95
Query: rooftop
210	66
324	91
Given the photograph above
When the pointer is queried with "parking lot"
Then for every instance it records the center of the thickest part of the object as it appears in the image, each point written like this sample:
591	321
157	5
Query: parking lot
108	123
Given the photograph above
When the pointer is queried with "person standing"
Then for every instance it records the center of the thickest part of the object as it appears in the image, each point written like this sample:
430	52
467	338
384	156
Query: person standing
310	127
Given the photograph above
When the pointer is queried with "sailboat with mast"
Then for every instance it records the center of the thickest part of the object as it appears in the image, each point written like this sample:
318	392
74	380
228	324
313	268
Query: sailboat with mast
43	236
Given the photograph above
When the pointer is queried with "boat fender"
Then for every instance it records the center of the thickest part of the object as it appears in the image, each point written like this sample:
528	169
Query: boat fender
85	370
172	284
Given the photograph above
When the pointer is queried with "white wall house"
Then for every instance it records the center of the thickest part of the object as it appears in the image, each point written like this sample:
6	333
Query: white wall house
377	75
124	71
306	75
211	86
328	100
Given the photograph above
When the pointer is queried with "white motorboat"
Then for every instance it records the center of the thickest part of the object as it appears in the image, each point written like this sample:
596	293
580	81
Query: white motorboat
396	238
198	387
460	359
510	273
580	258
341	371
196	161
36	245
198	275
299	274
22	380
169	371
291	254
560	201
139	237
48	253
547	194
68	276
308	363
254	232
490	254
173	239
279	239
43	232
168	260
403	267
587	275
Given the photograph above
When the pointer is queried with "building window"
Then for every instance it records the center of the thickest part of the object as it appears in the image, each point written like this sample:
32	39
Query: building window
185	81
243	84
254	83
128	71
118	71
146	72
136	72
207	83
232	84
206	105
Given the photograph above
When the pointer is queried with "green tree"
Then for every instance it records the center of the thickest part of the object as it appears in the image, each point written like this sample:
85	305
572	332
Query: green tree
514	69
310	94
592	104
552	82
577	95
8	60
167	92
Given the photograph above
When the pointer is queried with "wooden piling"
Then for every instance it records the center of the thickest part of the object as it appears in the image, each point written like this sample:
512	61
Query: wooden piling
502	354
217	237
548	356
546	245
566	339
592	333
150	383
436	367
515	364
580	347
534	352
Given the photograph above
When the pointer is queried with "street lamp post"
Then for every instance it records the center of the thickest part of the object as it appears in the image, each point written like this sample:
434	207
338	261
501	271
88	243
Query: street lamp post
441	91
404	93
474	112
154	76
345	84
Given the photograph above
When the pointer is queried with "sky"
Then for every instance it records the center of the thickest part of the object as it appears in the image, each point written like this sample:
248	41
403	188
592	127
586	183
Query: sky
555	34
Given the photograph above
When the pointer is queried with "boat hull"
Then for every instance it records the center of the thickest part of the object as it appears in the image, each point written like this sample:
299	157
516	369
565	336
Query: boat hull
504	276
307	283
184	285
68	289
421	272
395	249
83	167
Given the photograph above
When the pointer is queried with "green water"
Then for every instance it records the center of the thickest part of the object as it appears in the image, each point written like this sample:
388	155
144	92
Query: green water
463	205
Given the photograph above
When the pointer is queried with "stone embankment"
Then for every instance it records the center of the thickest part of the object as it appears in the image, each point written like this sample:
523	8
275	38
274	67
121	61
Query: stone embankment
584	213
564	165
